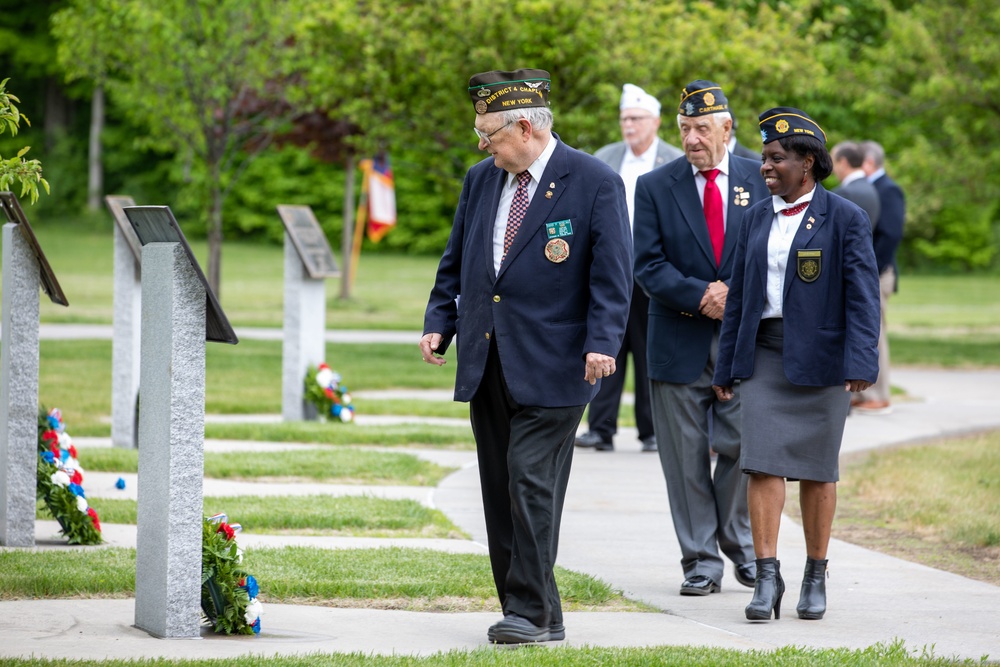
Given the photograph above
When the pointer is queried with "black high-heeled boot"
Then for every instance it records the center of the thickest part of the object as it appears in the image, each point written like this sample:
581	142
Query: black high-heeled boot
812	598
768	588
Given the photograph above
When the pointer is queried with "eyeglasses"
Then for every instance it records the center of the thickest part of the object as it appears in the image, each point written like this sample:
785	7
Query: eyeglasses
486	137
633	119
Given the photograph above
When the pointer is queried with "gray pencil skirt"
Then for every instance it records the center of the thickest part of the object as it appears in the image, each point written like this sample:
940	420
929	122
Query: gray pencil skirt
789	430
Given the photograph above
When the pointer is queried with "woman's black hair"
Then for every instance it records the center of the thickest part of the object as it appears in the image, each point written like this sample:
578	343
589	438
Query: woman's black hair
803	146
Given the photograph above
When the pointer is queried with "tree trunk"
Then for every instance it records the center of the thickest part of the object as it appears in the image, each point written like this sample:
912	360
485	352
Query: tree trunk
347	239
95	171
58	113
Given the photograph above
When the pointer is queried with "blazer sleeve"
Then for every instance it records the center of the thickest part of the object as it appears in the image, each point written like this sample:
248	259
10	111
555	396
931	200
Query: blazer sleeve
732	317
861	302
611	268
441	314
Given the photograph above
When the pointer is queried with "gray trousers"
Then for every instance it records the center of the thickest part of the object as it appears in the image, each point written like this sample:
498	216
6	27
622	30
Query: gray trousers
709	510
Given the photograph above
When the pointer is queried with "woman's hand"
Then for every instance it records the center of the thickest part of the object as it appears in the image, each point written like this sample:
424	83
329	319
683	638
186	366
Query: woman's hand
856	385
723	393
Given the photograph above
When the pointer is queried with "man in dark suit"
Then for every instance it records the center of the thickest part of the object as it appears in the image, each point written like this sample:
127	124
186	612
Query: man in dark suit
886	237
687	219
847	159
535	282
640	152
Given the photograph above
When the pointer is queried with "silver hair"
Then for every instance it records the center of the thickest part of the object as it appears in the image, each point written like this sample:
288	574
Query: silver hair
719	118
873	150
539	117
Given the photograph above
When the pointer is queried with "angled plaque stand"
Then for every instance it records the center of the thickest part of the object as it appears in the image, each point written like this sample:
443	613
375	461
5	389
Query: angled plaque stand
25	270
156	224
309	240
126	330
179	313
308	261
14	214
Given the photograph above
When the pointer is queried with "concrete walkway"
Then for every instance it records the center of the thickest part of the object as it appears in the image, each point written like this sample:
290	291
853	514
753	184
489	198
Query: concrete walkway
616	527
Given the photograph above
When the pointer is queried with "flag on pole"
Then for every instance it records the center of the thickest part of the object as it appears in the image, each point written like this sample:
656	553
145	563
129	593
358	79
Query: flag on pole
379	193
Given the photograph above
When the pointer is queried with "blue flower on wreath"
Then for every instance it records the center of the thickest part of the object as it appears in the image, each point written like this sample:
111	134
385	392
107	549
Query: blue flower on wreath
76	490
250	586
49	457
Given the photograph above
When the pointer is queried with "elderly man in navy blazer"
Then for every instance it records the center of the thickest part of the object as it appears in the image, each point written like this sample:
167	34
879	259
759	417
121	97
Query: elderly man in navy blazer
535	282
687	219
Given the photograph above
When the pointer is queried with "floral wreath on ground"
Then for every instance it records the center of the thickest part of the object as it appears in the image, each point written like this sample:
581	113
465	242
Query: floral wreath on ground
325	390
59	481
228	593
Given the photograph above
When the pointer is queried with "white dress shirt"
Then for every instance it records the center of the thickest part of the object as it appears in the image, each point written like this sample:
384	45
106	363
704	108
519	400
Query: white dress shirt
507	197
632	167
722	180
779	243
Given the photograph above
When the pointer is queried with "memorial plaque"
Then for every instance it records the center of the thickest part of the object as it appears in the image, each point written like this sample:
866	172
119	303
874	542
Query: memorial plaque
116	204
8	200
309	240
155	224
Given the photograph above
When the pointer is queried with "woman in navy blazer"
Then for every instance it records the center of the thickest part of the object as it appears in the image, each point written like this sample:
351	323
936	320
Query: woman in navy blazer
800	332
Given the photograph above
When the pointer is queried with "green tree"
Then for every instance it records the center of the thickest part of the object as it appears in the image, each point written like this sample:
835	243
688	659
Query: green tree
399	72
26	172
929	91
205	78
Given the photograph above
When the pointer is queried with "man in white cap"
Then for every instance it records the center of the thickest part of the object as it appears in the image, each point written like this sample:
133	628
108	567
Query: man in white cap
640	152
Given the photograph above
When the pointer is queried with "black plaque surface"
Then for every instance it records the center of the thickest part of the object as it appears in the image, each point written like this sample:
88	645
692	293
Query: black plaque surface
12	208
156	224
116	204
309	239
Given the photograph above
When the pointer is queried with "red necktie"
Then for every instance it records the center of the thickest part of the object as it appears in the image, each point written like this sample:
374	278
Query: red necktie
713	214
517	210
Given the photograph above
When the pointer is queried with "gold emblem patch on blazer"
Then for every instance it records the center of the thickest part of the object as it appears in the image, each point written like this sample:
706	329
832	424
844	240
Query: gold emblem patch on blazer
809	264
556	250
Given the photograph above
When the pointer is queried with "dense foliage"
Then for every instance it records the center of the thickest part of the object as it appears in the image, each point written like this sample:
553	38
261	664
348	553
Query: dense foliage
921	78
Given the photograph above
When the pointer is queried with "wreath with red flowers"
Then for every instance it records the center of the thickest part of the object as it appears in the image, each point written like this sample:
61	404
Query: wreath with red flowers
60	479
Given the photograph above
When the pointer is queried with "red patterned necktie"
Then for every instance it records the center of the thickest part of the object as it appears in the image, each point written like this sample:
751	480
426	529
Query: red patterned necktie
713	214
517	210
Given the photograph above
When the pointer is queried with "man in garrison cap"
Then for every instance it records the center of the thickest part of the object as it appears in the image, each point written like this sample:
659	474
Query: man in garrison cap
687	220
534	286
638	153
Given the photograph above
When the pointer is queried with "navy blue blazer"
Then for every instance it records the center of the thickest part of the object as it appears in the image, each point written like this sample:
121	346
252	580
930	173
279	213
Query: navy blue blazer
674	260
889	232
830	311
544	316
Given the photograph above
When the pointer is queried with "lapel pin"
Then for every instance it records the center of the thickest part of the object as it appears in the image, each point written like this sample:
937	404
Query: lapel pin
548	194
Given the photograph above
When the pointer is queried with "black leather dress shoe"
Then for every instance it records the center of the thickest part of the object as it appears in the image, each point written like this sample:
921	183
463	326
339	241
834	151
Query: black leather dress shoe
557	632
595	440
514	629
699	584
746	574
649	444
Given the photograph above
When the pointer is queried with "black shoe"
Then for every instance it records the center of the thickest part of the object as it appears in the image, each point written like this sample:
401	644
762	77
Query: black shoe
649	444
514	629
746	574
812	597
699	584
767	591
595	440
557	632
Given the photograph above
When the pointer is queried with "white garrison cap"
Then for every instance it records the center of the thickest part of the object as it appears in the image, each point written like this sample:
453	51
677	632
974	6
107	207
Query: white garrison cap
634	97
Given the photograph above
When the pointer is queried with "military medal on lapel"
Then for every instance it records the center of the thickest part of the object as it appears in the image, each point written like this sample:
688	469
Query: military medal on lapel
556	251
809	264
